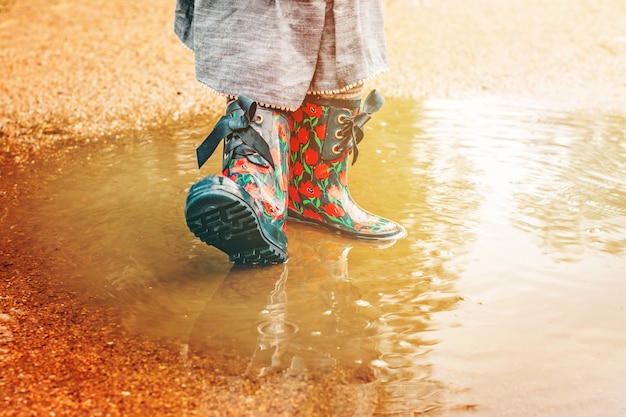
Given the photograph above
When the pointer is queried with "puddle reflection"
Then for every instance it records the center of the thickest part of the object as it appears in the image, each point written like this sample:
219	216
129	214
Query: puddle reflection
311	323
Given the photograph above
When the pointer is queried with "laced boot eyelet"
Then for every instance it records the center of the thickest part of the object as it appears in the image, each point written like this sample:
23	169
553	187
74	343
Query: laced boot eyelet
341	119
336	149
338	134
258	119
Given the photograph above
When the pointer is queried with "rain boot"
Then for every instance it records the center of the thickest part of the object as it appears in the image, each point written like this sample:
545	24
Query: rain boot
242	212
324	132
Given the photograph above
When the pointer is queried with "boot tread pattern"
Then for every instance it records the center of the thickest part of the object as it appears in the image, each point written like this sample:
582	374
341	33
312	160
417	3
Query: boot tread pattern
233	228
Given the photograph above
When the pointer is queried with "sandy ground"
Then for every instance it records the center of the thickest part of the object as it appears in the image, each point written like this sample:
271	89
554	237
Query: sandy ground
83	69
565	54
73	71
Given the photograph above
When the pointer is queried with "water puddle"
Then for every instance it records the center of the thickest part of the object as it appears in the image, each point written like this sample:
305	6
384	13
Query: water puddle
506	298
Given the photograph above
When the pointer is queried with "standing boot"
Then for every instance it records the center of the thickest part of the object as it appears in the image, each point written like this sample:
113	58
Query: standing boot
243	211
324	132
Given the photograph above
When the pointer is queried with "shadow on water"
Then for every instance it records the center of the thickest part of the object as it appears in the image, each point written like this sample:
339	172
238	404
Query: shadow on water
495	197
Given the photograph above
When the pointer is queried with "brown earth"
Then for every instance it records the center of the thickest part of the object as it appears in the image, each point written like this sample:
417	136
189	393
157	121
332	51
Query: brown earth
86	69
75	71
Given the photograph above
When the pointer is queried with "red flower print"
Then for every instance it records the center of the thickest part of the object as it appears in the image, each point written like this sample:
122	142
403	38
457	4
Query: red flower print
321	171
343	177
333	210
239	165
312	110
252	189
297	169
297	116
308	213
294	145
261	169
294	196
302	136
270	210
282	132
334	192
310	157
320	131
309	190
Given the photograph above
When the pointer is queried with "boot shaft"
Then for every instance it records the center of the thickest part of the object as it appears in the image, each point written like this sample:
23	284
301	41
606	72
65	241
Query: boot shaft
243	211
262	173
322	125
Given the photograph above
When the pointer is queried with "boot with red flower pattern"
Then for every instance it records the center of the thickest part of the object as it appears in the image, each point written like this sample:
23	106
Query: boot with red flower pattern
242	212
324	132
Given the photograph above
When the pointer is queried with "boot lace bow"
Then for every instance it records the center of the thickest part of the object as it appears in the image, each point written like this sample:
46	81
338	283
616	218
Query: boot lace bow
351	133
242	139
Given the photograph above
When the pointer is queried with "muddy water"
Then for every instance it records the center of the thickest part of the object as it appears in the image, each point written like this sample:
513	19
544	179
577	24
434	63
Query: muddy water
506	298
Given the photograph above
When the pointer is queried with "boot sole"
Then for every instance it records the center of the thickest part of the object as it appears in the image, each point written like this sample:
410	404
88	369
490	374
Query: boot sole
294	215
219	215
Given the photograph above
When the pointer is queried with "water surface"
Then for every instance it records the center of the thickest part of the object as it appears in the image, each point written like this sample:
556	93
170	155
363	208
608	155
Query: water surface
506	298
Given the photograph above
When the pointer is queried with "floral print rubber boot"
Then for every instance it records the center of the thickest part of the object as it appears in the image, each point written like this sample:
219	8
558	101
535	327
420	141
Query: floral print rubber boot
242	212
323	133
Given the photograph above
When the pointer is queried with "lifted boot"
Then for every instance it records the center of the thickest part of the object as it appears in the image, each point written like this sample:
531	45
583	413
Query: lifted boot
242	212
324	132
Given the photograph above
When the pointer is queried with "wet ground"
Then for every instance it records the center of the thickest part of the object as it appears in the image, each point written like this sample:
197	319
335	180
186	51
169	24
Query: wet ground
505	298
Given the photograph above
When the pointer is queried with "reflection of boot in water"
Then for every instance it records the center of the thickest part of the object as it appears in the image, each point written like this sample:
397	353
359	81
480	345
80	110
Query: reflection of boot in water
227	328
239	348
333	343
274	332
269	346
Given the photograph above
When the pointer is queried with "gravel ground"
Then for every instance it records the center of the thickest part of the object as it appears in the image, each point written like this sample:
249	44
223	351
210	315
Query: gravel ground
566	54
84	69
72	71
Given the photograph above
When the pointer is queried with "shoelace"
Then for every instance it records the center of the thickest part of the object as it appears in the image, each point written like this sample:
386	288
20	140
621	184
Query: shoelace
243	139
352	130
